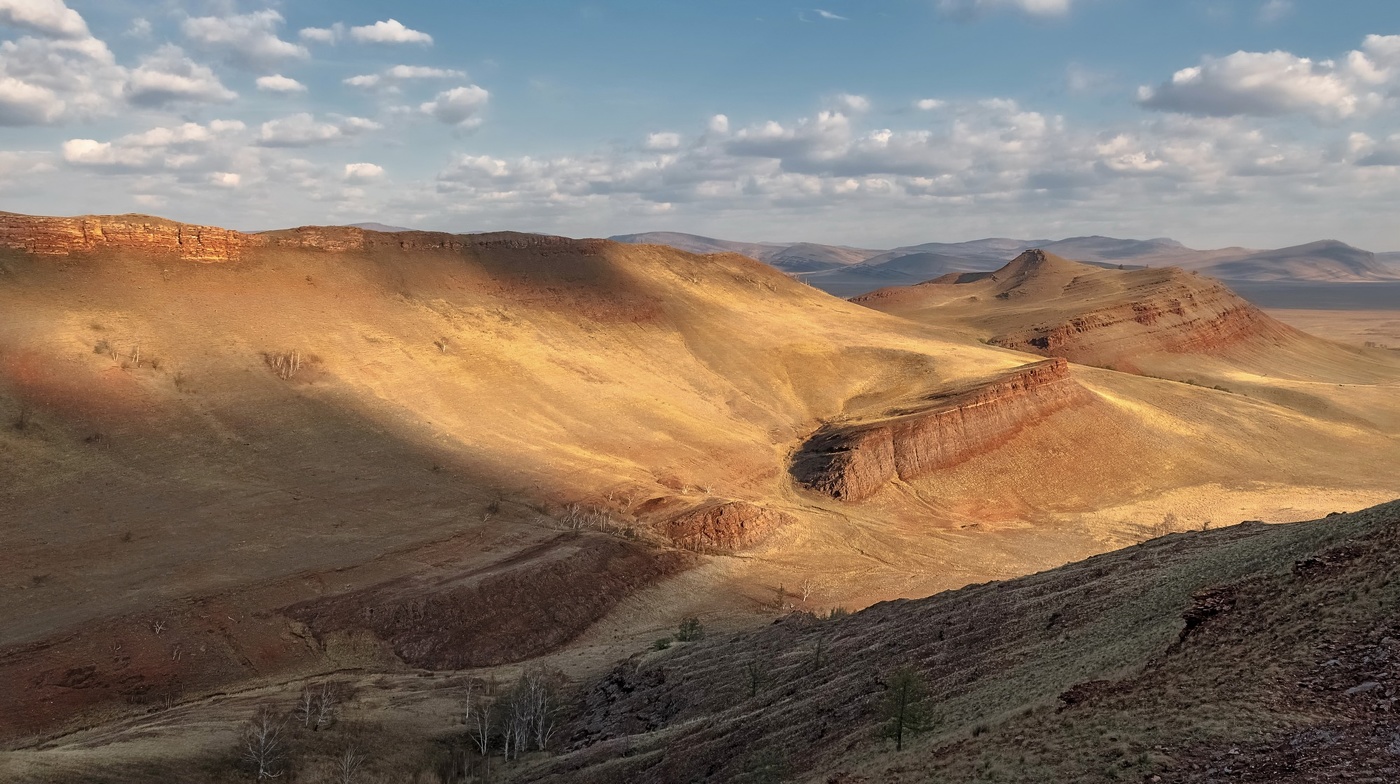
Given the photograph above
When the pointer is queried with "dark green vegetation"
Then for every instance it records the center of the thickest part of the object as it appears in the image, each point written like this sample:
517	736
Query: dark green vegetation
1249	653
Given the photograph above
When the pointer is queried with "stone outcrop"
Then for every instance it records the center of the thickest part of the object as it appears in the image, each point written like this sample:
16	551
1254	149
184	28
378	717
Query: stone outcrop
1178	314
853	462
87	234
158	237
724	527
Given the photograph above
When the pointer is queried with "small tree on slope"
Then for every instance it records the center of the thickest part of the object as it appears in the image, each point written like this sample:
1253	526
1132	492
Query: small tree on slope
904	710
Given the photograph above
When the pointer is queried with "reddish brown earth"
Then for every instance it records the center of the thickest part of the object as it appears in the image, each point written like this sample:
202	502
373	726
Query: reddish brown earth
1043	304
523	608
852	462
724	527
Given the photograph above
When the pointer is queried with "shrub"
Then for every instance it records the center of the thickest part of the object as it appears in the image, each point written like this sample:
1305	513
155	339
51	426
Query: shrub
661	644
690	630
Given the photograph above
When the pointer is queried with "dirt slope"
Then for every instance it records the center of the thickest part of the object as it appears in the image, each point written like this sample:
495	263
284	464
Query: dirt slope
244	456
1253	653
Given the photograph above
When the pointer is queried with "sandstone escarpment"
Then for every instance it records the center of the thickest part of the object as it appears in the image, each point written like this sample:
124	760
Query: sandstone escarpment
853	462
46	236
723	527
1178	313
67	236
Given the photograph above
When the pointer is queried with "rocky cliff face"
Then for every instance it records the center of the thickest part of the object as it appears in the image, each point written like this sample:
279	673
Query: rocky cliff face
853	462
723	527
67	236
1181	314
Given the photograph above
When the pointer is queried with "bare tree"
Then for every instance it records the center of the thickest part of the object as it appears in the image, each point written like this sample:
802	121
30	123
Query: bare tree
305	709
809	587
480	722
540	695
262	746
348	765
327	705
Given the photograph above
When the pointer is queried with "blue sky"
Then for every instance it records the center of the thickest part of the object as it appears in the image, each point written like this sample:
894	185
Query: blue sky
1217	122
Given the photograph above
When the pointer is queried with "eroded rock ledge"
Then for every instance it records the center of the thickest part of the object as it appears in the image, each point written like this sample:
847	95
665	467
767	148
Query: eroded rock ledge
67	236
723	527
852	462
46	236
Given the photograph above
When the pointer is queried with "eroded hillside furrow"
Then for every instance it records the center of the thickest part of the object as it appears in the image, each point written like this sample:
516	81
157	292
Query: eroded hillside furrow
852	462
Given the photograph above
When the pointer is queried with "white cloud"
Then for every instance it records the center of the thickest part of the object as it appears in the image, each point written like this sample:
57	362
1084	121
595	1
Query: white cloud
719	124
47	17
1269	84
278	83
391	77
225	179
855	104
304	130
928	104
391	31
971	8
663	142
829	15
459	106
140	28
22	103
363	172
322	35
168	76
247	40
162	147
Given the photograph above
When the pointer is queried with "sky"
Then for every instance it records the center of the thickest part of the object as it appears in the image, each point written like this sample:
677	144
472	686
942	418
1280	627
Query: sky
872	123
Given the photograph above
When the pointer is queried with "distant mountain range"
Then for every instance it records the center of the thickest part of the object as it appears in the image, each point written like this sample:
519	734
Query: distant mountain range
846	271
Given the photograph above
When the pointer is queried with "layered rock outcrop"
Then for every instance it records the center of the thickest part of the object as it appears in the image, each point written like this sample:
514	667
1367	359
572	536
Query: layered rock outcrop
853	462
724	527
67	236
1178	313
91	233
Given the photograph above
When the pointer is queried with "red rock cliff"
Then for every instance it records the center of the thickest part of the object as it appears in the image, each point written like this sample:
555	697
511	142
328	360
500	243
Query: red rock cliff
853	462
67	236
1178	314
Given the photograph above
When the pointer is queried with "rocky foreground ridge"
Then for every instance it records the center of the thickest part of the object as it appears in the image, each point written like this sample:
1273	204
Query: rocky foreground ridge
853	462
46	236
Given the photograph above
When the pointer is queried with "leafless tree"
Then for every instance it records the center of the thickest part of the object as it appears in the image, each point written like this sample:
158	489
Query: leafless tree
306	706
348	765
285	364
809	587
327	705
539	688
480	722
263	747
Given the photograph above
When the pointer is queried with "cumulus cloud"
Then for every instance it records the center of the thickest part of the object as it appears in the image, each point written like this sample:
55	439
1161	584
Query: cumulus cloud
168	76
322	35
719	124
225	179
391	31
278	83
363	172
304	130
162	147
46	17
62	73
971	8
1271	84
392	77
928	104
663	142
22	103
855	104
460	106
247	40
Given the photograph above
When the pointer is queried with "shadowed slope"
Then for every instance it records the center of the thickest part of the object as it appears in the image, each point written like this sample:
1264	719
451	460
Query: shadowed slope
1158	659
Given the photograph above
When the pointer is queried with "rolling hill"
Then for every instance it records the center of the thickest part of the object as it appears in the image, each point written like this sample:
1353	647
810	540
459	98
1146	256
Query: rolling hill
232	459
